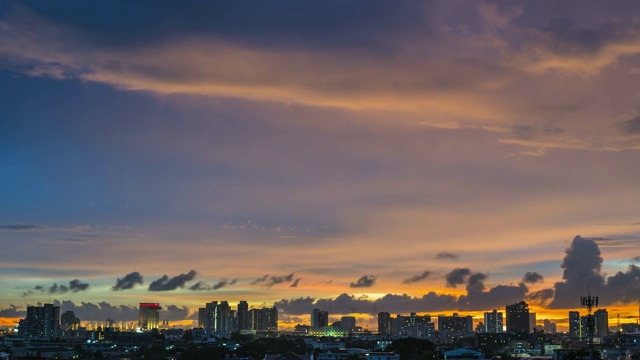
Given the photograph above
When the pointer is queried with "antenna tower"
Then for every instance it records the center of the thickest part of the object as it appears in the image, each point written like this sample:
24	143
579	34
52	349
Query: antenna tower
589	302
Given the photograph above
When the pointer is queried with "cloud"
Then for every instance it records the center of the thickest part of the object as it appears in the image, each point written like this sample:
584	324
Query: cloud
416	278
275	280
76	285
166	284
129	281
393	303
581	265
299	306
175	313
457	277
12	311
58	289
260	280
532	278
631	126
199	286
623	287
222	284
479	298
445	255
22	227
541	297
365	281
87	311
295	283
270	281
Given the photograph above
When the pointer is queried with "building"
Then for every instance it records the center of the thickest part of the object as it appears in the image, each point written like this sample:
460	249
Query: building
215	318
453	327
149	316
532	322
319	318
384	323
265	319
575	325
41	322
415	326
601	323
517	317
549	327
493	322
348	322
243	315
69	324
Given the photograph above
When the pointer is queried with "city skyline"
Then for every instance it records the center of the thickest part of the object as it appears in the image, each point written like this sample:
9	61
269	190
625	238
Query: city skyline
429	157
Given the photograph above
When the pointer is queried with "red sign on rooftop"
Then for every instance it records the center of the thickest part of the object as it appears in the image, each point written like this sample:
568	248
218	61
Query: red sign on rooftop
151	305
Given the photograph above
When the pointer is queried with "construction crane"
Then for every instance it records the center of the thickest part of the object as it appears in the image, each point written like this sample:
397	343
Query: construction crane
363	327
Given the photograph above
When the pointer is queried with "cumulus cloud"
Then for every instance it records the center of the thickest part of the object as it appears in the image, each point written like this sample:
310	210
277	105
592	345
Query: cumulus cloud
129	281
581	264
445	255
365	281
457	277
88	311
541	297
417	278
299	306
13	311
532	278
393	303
166	284
479	298
74	286
623	287
175	313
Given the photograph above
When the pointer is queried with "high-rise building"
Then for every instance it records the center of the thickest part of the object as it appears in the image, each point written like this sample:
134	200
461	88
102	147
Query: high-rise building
69	323
493	322
216	318
41	322
532	322
517	317
149	316
384	323
549	327
348	322
453	327
601	322
575	325
265	319
243	315
416	326
319	318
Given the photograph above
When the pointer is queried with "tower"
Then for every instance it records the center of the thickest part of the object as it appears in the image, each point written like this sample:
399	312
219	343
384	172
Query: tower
384	323
243	315
319	318
493	322
518	317
149	316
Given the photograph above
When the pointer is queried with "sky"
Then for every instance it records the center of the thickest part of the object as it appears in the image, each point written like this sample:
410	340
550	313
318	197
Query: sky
355	156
